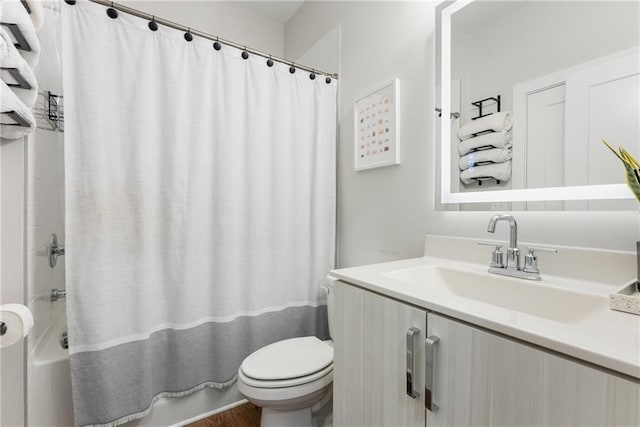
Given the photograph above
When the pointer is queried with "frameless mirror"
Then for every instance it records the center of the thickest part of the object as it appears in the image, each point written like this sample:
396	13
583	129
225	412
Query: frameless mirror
528	91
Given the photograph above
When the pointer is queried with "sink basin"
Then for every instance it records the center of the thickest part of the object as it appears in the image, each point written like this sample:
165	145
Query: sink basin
534	298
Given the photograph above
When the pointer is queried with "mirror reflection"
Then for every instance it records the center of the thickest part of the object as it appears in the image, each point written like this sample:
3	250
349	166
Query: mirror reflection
538	85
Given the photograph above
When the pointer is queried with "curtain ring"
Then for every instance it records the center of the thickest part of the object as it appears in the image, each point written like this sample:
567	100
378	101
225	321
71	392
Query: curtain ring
269	62
245	54
312	76
153	26
292	69
188	36
112	12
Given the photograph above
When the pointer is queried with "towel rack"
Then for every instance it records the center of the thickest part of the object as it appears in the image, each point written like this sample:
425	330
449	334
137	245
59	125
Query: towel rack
21	42
49	111
21	82
26	6
484	178
17	118
455	115
480	104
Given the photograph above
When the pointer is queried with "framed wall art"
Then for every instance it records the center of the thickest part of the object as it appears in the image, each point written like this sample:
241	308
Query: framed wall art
377	128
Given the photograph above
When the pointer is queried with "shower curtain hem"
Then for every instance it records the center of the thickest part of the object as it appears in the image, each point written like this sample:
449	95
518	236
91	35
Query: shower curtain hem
147	411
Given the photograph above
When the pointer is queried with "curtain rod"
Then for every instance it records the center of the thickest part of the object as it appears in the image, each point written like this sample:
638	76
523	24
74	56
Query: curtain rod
180	27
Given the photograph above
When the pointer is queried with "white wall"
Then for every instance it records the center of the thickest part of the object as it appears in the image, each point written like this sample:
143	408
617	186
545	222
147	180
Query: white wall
12	273
45	215
381	212
324	55
219	18
384	213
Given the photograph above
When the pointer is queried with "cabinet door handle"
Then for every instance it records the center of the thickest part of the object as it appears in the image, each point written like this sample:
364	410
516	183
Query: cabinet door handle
429	369
412	334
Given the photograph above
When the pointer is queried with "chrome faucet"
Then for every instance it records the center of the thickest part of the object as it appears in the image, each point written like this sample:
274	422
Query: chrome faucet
513	253
512	267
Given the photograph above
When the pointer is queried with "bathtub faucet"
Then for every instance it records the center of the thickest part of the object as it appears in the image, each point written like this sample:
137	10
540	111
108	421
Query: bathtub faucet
56	294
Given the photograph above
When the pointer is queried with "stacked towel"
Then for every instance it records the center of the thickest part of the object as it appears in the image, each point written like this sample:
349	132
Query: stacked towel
15	102
494	155
10	102
13	59
13	12
495	139
485	148
495	122
499	171
37	13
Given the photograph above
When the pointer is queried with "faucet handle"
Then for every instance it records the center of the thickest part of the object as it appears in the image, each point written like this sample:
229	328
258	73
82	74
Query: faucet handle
531	260
497	256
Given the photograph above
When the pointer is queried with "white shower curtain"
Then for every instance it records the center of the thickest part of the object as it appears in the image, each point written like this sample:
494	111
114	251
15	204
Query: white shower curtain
200	210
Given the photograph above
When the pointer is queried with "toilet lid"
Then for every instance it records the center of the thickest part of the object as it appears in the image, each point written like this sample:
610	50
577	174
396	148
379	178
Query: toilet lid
292	358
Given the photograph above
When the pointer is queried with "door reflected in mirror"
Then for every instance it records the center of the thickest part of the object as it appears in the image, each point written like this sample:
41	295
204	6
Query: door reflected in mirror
538	85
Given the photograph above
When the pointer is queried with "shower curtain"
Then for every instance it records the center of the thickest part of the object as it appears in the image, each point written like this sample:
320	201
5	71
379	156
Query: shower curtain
200	210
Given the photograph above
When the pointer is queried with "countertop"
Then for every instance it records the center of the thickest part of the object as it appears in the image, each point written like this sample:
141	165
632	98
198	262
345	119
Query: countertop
605	337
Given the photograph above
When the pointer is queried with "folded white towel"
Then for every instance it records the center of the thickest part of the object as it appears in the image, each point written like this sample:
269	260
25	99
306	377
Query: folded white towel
13	59
494	155
13	12
499	171
496	122
5	42
493	139
10	102
37	13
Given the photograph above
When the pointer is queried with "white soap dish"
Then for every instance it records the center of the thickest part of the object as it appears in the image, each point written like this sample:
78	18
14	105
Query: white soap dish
626	299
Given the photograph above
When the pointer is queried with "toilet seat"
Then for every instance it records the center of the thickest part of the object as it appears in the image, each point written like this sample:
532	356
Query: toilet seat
288	363
292	382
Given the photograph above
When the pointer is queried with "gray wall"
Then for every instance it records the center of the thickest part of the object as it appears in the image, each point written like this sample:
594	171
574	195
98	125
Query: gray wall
384	213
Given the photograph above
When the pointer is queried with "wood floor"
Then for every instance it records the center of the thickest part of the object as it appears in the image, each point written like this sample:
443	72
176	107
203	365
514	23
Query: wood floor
247	415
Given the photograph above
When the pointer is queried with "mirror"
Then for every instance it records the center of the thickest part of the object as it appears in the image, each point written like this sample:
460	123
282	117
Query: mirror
545	81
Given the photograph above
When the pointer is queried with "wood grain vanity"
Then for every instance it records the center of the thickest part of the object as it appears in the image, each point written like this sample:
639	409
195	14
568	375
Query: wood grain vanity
401	349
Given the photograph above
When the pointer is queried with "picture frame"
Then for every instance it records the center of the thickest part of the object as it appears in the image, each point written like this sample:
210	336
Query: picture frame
377	127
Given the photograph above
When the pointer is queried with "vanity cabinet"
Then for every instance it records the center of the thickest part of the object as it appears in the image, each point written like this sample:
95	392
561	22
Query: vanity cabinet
479	378
485	379
370	363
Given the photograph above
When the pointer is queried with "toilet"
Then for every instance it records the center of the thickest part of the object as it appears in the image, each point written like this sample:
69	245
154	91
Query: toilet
290	379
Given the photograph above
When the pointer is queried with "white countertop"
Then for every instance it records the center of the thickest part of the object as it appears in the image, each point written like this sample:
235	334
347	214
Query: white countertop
605	337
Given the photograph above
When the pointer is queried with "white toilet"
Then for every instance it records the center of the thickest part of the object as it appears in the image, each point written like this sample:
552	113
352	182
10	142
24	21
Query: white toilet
290	378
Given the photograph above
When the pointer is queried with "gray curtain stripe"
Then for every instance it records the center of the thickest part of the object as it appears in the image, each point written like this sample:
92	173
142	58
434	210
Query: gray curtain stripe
126	379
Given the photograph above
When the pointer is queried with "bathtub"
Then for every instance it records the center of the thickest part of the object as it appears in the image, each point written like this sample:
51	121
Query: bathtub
49	389
49	378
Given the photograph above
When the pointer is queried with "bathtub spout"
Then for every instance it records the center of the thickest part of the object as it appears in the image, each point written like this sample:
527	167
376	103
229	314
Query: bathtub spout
56	294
